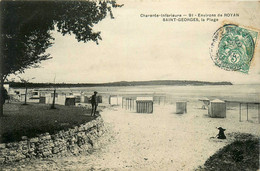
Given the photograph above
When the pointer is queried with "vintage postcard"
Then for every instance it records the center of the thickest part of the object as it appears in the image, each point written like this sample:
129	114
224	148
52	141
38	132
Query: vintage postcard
130	85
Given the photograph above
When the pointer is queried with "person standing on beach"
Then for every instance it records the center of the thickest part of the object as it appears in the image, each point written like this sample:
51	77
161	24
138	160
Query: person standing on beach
94	103
4	95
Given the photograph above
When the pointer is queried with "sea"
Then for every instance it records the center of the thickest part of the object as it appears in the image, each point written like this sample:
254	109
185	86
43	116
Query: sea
237	92
170	94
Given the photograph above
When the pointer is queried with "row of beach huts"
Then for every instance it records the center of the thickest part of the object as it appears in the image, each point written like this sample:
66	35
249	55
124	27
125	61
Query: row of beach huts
138	103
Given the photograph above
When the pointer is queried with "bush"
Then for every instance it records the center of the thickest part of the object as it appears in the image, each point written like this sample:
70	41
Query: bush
242	154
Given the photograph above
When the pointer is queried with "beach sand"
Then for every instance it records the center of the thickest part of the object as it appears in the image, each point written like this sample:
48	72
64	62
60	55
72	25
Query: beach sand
159	141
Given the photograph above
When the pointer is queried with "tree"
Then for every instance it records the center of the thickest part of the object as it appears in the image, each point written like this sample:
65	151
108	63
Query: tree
54	95
26	29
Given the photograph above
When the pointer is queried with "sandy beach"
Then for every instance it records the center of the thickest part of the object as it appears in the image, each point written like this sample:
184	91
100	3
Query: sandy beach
159	141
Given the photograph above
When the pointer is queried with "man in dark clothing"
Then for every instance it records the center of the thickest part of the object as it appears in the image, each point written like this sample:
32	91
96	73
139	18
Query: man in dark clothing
4	95
94	103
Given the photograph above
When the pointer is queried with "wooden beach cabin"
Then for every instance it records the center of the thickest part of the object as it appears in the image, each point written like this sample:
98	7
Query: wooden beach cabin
70	101
35	94
217	109
181	107
86	99
99	99
113	100
129	103
144	104
42	100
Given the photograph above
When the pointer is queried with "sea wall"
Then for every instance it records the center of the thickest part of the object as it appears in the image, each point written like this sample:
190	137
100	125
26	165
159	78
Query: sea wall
70	142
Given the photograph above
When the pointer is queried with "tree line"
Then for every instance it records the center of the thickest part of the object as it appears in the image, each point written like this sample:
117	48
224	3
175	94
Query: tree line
121	83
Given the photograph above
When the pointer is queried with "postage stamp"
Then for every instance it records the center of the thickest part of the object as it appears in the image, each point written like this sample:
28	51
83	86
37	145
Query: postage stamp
233	48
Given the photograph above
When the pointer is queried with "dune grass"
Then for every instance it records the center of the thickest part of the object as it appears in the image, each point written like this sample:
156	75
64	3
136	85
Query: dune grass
33	119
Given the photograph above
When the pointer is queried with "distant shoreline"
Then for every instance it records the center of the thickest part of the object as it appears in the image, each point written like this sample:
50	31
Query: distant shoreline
122	83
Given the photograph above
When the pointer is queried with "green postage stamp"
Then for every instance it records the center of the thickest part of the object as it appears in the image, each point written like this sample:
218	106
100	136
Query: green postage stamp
233	48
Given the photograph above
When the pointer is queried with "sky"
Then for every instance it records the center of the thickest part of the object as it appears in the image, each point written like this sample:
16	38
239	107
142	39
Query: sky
135	48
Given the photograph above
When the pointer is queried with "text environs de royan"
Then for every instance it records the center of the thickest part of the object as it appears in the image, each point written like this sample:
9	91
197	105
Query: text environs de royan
191	15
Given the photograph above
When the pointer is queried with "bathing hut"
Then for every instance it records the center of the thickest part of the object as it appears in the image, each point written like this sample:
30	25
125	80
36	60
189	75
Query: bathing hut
42	100
181	107
86	99
7	87
70	101
144	104
35	94
113	100
217	109
99	99
77	99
